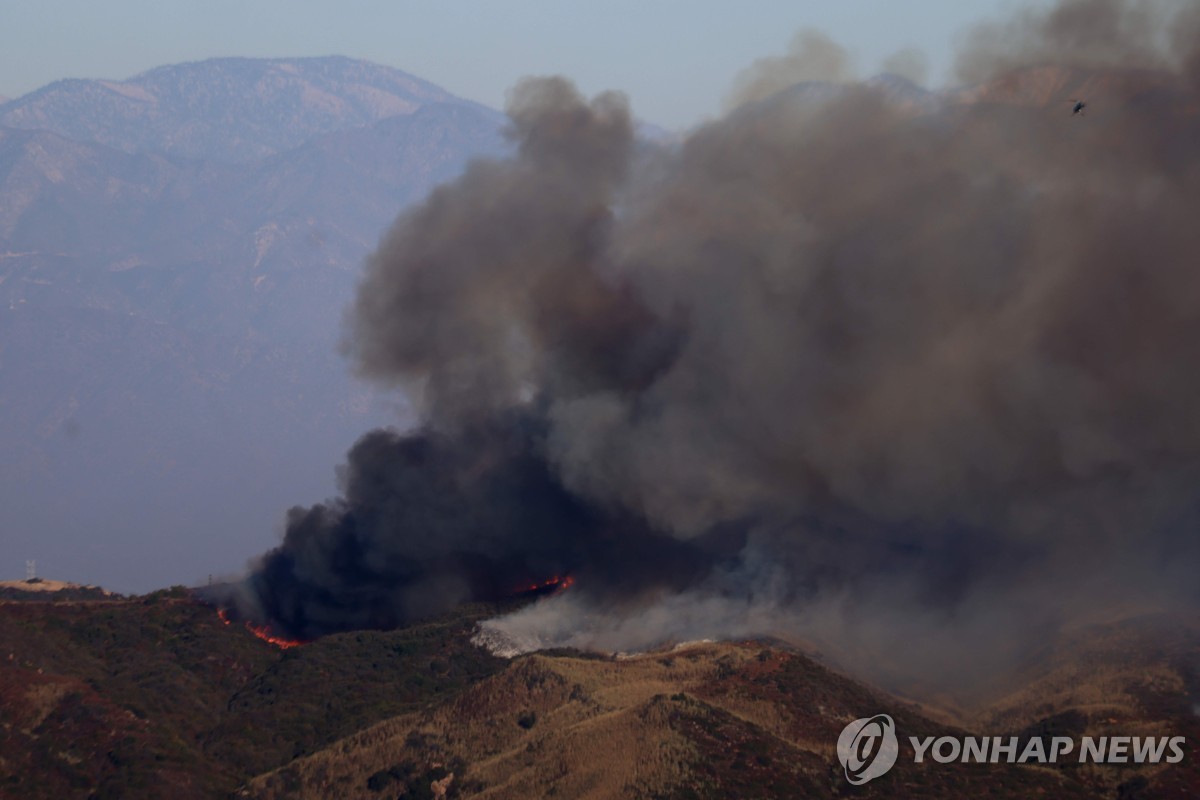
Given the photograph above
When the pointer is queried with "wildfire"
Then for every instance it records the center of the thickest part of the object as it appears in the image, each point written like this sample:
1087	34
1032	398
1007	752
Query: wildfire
557	584
262	631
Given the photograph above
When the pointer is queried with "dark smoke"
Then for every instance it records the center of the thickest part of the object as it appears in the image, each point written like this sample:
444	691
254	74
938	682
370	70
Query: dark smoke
429	521
837	366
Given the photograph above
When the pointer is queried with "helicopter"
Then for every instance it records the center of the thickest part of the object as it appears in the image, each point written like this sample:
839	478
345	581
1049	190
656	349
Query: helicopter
1078	107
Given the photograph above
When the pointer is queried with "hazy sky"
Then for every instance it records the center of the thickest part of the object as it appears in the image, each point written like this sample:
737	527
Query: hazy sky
675	58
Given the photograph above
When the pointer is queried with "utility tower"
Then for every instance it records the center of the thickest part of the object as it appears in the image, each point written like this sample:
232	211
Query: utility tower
30	570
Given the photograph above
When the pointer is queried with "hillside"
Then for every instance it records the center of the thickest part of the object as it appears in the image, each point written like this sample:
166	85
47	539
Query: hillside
755	720
707	720
1138	676
130	698
122	697
750	720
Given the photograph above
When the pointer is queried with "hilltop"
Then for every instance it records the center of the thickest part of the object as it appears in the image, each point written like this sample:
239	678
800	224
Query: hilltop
225	109
42	589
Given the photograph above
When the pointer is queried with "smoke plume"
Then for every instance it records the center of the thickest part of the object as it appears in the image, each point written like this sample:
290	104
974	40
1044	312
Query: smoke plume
812	56
838	366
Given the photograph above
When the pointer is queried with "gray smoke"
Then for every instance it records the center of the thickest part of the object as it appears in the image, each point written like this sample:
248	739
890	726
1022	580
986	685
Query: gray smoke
909	63
861	372
1118	34
811	56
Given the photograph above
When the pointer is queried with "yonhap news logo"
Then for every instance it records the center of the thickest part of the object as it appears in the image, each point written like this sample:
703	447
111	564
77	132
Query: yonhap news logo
867	748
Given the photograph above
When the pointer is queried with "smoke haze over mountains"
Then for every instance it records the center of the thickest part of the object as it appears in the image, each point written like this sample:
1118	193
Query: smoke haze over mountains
169	374
829	368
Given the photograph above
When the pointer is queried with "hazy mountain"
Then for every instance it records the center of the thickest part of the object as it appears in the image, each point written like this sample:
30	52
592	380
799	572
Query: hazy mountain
219	247
232	109
169	376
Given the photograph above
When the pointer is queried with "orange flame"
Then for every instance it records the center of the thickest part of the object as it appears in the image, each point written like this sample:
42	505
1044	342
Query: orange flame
557	583
263	632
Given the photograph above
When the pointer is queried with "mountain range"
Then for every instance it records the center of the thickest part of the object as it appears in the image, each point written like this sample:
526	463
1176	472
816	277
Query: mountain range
226	109
176	252
144	696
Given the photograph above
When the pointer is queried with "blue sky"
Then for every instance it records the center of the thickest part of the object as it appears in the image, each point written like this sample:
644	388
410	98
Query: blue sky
675	58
